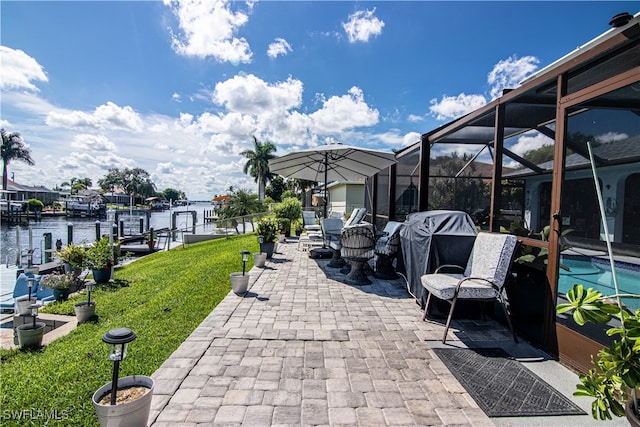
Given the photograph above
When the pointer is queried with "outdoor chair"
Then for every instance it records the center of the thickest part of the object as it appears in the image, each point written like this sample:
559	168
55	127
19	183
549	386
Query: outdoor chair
483	278
356	217
21	289
386	250
309	221
357	243
331	231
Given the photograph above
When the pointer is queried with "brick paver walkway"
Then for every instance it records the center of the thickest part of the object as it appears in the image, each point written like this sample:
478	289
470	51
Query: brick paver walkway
304	348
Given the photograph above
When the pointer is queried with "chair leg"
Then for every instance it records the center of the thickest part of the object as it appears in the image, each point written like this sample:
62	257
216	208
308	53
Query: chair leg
508	316
446	327
426	307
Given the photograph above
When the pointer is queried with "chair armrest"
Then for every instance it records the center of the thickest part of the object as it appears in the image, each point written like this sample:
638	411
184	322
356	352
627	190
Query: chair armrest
452	266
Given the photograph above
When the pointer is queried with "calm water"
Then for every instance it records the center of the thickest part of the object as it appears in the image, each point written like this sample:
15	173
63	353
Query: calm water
84	229
599	277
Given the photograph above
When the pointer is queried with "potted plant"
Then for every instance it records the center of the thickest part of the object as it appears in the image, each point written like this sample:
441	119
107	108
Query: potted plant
24	302
60	283
240	281
30	333
267	230
123	401
72	257
100	259
288	212
85	310
615	380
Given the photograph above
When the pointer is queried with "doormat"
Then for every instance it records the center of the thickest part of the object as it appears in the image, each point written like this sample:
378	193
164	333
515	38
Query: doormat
502	387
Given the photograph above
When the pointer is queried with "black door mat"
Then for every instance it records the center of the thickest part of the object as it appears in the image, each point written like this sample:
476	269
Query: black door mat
502	387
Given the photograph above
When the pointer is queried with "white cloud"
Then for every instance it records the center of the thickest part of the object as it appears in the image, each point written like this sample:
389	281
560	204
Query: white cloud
530	141
611	137
108	116
278	47
176	97
451	107
508	73
252	95
92	142
415	118
340	113
19	70
208	28
362	25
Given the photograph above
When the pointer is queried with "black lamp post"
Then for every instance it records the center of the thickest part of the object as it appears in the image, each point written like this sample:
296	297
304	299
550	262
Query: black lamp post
117	340
245	257
34	313
30	281
89	287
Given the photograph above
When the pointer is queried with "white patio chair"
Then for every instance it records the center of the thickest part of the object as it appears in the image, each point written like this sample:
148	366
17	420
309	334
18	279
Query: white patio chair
483	278
309	221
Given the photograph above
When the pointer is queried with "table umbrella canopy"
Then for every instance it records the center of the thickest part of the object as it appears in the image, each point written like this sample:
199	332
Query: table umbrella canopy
332	162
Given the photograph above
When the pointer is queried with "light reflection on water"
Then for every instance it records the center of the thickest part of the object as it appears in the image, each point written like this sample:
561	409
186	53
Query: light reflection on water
84	230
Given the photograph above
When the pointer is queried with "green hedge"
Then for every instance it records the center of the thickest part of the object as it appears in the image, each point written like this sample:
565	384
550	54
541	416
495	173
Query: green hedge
162	297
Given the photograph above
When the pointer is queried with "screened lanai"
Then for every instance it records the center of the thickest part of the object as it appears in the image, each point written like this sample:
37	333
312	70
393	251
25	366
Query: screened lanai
587	100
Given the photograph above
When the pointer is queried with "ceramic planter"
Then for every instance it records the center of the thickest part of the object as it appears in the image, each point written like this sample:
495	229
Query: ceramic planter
30	337
267	248
102	275
259	259
130	414
61	294
22	304
85	311
632	417
239	283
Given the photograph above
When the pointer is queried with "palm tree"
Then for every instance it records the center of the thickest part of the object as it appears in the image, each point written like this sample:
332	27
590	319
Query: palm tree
258	164
13	148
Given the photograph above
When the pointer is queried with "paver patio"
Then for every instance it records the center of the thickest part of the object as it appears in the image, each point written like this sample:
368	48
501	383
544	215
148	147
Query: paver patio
304	348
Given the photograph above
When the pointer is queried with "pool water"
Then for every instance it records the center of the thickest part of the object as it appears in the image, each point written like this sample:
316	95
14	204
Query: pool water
596	273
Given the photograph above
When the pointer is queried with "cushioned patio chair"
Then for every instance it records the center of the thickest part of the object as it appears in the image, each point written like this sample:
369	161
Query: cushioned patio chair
21	289
309	221
386	250
331	231
357	243
483	278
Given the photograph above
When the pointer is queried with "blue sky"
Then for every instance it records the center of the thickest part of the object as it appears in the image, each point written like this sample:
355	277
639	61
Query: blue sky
179	88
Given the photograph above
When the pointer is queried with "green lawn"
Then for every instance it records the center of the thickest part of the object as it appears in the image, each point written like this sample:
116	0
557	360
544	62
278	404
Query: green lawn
163	298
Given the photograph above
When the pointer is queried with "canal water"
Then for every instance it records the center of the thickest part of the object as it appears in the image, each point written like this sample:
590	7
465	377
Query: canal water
84	229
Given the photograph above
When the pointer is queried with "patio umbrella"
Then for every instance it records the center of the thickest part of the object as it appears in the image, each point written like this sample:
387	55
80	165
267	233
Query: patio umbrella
332	162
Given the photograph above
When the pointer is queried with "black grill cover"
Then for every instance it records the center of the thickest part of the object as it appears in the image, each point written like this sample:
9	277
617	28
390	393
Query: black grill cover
431	239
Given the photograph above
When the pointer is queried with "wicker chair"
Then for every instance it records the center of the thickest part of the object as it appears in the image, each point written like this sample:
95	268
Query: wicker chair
357	242
386	250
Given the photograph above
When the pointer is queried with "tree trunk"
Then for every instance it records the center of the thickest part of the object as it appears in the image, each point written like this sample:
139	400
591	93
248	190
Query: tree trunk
260	188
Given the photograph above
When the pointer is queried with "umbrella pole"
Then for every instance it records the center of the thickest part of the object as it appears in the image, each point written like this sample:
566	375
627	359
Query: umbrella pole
326	200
